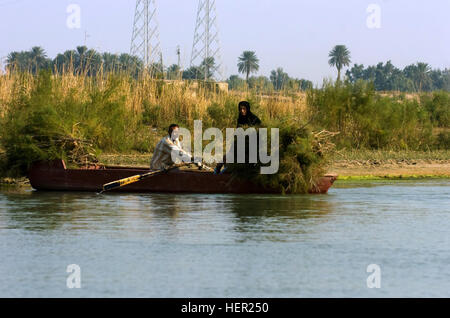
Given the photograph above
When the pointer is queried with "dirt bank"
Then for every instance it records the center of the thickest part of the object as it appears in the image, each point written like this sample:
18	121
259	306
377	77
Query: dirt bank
391	168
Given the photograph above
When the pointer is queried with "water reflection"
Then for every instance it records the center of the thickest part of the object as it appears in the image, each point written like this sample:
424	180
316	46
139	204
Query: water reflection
172	216
279	218
44	211
293	207
164	205
26	211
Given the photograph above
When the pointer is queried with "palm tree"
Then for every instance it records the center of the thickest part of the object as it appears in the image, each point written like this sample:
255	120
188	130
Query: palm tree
93	62
173	71
80	58
29	61
208	67
248	63
13	61
193	73
339	57
38	53
279	78
422	74
131	64
38	58
110	62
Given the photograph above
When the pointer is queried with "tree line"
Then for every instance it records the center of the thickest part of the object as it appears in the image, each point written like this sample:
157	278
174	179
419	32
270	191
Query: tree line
277	81
79	61
248	63
416	77
89	62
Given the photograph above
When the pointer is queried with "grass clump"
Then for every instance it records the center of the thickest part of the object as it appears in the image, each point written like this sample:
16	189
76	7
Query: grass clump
304	156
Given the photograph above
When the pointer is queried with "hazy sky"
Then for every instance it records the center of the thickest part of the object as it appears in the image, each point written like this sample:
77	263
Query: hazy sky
294	34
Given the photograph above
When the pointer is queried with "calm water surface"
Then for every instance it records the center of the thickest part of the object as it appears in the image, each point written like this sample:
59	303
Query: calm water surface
159	245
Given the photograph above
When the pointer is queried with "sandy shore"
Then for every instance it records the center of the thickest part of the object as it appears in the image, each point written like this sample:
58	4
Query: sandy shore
391	169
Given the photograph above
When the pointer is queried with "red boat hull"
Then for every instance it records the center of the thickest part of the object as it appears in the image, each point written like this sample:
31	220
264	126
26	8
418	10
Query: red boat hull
54	176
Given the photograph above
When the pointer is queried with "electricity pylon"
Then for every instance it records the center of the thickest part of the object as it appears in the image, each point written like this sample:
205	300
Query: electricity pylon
145	40
206	40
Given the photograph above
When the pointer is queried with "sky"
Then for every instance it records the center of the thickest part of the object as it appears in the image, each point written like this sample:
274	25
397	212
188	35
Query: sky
296	35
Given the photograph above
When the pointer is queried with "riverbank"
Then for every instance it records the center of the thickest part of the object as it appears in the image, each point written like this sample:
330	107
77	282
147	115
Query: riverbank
375	165
6	183
393	170
356	164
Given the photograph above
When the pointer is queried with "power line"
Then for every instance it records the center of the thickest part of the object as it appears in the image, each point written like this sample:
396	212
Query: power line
145	40
206	43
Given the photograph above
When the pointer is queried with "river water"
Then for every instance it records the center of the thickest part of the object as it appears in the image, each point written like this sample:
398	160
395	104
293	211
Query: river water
156	245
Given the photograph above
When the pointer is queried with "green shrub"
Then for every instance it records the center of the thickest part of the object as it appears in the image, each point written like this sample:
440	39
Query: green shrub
303	160
438	106
443	140
222	116
367	120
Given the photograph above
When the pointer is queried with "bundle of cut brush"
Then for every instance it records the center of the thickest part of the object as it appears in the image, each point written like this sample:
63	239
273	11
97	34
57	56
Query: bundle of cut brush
303	157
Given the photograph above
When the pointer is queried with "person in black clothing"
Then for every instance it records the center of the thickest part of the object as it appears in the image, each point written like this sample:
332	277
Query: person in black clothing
246	119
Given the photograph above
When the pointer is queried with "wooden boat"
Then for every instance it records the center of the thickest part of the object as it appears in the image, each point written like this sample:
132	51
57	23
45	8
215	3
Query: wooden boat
54	176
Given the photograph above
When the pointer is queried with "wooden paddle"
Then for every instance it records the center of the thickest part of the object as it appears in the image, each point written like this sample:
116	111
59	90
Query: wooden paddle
127	181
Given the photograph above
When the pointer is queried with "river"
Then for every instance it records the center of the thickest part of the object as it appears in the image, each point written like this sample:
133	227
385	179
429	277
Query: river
158	245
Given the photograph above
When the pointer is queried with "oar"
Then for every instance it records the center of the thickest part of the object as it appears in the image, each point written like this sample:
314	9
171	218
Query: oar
124	182
127	181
